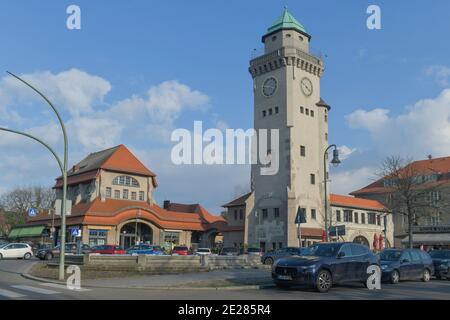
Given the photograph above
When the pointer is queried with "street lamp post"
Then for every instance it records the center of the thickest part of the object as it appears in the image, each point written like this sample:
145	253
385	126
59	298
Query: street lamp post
62	166
335	162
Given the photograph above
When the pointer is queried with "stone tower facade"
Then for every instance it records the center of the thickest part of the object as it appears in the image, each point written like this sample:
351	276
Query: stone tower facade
286	84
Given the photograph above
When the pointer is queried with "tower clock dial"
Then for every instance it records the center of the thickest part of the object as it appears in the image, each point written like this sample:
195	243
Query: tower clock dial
269	87
306	86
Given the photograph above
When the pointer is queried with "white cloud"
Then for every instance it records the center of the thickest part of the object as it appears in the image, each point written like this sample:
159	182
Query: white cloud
344	182
95	134
371	120
441	74
74	90
422	129
345	152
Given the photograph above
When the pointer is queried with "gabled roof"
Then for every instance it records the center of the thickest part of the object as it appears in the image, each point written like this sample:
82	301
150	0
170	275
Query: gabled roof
286	21
118	159
439	166
358	203
238	202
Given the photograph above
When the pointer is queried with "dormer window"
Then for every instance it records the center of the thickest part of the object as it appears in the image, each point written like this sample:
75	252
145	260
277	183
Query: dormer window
300	38
126	181
288	35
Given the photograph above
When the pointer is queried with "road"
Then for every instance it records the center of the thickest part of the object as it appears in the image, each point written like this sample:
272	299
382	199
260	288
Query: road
14	286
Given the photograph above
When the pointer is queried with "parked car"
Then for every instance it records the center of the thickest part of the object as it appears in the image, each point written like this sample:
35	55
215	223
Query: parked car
16	250
108	249
405	264
271	256
254	252
203	251
325	265
229	251
180	250
441	262
70	248
147	249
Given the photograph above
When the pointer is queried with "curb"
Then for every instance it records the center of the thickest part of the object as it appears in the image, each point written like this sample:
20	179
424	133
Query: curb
244	287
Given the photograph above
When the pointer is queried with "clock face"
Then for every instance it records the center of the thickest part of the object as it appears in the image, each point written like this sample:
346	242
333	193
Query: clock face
269	87
306	86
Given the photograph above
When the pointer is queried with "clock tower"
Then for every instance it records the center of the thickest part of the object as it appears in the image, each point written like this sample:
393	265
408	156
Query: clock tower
286	88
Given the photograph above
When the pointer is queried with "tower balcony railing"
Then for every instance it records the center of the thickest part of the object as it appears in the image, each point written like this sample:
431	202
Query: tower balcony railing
259	56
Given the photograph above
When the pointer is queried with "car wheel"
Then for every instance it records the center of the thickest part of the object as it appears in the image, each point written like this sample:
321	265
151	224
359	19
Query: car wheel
27	256
395	277
268	261
426	275
283	285
48	256
324	281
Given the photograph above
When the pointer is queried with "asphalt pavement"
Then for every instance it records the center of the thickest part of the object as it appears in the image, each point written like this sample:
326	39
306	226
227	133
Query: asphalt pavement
14	286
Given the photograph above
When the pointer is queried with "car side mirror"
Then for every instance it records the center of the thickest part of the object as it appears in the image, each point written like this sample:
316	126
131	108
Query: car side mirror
341	254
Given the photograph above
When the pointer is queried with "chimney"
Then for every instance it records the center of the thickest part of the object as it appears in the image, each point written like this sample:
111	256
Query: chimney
166	204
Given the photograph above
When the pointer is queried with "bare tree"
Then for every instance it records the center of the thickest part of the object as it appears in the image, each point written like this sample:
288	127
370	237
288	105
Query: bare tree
411	192
16	202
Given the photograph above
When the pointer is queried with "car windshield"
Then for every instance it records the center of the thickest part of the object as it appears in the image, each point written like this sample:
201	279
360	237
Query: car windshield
253	250
180	248
438	254
391	255
323	250
229	250
2	245
203	250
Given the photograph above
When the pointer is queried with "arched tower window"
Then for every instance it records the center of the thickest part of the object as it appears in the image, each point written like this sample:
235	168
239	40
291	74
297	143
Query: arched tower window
126	181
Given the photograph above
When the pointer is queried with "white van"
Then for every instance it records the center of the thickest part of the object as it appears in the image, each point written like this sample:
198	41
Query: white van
16	250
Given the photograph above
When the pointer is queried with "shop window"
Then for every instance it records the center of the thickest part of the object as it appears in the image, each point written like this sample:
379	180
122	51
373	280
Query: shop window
98	237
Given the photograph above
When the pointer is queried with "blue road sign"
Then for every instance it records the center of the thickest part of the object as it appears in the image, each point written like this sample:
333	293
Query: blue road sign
32	212
76	232
301	216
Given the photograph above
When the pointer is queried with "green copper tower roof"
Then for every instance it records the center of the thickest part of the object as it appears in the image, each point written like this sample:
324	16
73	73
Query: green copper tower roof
286	21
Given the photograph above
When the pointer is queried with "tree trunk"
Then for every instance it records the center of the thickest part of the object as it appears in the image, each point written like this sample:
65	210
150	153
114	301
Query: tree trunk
410	232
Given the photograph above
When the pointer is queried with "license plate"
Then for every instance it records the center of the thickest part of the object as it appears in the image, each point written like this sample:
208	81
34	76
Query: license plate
285	277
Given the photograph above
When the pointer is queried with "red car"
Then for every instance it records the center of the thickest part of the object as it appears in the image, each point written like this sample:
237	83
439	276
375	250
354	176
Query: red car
108	249
180	250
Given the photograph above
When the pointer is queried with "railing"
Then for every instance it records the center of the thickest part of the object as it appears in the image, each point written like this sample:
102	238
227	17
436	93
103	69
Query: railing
259	56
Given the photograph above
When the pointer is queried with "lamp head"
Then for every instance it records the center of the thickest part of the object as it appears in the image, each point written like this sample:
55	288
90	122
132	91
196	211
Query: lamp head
335	161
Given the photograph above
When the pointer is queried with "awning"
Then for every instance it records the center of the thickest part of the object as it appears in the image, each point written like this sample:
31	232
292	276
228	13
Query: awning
429	238
26	232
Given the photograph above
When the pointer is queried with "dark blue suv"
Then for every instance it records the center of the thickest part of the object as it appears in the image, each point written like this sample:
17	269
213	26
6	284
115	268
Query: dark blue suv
325	265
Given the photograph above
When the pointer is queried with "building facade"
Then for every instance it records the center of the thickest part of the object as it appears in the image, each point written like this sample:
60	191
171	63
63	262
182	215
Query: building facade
113	203
431	225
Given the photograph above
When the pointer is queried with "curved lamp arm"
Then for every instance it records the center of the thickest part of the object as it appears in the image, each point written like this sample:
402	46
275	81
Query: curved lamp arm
38	140
46	99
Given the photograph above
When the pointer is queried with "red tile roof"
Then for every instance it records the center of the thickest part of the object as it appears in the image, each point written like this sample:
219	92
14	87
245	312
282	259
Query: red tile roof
113	212
424	167
118	159
347	201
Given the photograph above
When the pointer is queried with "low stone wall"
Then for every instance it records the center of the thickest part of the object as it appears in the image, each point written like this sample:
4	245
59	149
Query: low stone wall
167	264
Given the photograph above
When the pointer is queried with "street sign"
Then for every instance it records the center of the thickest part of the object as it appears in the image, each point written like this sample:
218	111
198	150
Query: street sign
76	232
336	230
32	212
301	216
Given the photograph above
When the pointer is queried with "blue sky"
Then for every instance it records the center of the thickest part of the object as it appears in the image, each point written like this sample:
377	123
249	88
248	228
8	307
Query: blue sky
130	60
